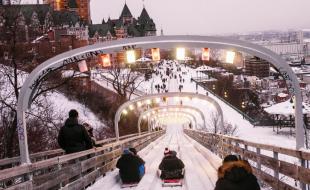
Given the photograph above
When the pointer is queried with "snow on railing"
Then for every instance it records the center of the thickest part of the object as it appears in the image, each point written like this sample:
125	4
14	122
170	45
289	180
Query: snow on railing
72	171
278	167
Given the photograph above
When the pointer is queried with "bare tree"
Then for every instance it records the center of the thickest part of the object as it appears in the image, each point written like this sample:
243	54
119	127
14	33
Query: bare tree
125	81
12	75
215	126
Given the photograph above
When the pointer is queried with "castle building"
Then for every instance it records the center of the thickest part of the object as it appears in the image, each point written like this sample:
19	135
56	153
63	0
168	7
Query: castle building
126	26
81	7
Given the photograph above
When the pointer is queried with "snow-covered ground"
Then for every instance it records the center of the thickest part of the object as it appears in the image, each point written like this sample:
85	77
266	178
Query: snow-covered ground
245	129
199	173
63	105
60	103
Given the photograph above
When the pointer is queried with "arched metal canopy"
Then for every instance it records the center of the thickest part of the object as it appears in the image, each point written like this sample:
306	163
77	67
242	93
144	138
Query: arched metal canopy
188	95
191	118
169	107
30	85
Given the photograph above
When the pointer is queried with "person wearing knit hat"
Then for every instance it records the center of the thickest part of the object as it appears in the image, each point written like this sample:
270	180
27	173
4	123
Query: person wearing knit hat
171	167
167	151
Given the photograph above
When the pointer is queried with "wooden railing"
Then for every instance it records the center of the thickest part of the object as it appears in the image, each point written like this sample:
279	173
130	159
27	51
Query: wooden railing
278	167
71	171
15	161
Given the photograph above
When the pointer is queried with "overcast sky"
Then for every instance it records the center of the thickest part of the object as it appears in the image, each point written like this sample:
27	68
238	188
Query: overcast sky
212	16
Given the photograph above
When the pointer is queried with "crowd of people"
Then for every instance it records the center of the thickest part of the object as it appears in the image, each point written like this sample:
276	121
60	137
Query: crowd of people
234	174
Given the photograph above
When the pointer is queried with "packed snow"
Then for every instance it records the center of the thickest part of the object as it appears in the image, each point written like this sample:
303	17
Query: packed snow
199	172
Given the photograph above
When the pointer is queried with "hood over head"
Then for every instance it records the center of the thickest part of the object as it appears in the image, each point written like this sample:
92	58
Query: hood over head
235	170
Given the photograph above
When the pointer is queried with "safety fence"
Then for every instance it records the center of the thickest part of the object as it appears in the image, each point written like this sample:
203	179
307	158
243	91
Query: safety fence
278	167
15	161
71	171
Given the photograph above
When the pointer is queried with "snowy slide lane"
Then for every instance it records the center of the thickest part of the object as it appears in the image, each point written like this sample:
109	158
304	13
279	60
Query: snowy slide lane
199	174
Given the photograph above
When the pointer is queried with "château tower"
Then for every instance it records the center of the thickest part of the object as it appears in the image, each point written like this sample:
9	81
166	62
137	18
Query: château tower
81	7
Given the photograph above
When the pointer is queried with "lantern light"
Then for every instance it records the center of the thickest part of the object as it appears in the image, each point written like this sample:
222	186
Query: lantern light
82	66
155	54
225	94
125	112
230	56
144	117
139	104
205	56
105	60
148	102
157	100
131	56
131	107
180	54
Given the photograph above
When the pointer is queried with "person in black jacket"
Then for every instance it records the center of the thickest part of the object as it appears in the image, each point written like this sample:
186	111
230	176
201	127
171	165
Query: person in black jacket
171	166
73	137
236	174
128	165
141	161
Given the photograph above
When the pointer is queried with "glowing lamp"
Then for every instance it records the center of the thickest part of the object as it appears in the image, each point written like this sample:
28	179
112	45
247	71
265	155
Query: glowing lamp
82	66
105	60
125	112
131	56
148	102
230	56
180	53
155	54
144	117
139	104
131	107
157	100
205	56
225	94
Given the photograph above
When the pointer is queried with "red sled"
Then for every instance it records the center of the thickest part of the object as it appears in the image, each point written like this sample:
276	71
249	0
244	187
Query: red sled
172	182
129	185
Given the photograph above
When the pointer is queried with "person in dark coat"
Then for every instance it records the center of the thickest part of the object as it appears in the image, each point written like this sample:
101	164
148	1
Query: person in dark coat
73	137
171	166
128	165
141	161
90	132
236	174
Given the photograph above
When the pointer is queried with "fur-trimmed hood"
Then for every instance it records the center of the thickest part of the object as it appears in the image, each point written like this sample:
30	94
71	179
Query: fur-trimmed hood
235	170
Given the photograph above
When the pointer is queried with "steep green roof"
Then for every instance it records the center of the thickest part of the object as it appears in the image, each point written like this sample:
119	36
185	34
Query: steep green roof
126	12
144	14
102	29
72	4
27	11
65	18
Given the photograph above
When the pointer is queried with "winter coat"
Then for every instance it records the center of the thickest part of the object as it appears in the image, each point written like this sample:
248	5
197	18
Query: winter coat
171	167
236	175
73	137
128	165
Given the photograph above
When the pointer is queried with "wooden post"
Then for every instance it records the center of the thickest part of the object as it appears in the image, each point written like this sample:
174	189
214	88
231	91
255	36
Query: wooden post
276	170
258	162
303	186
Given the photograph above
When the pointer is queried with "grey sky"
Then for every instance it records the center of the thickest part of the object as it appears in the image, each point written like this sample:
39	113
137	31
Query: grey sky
212	16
